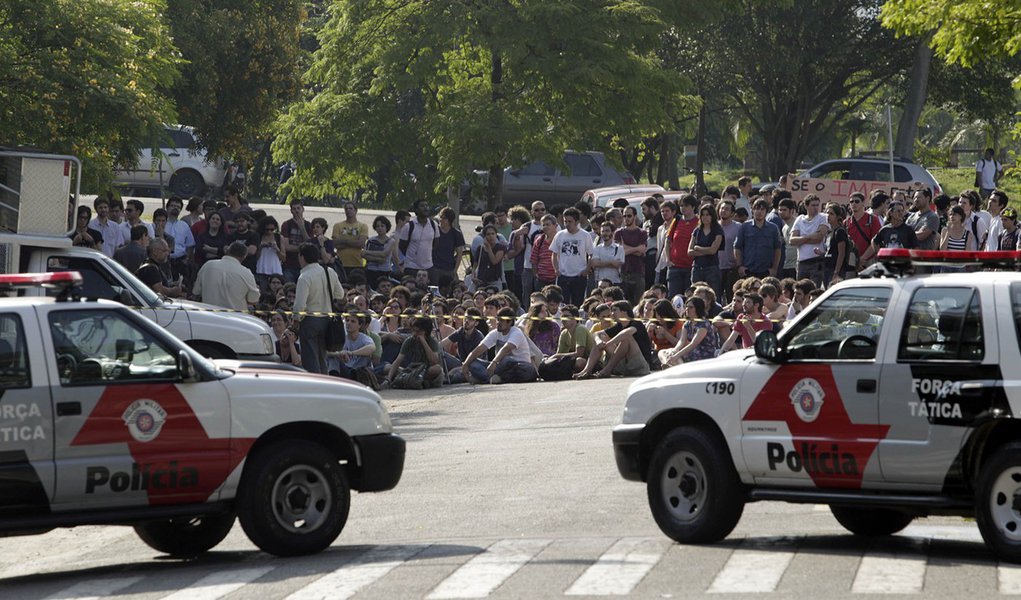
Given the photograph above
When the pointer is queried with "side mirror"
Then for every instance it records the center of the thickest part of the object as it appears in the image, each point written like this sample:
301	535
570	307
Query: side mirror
185	368
125	297
767	347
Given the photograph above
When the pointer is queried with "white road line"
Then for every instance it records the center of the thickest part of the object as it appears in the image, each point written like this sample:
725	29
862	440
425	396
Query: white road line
620	568
961	533
94	589
890	573
750	570
478	577
347	580
219	584
1009	579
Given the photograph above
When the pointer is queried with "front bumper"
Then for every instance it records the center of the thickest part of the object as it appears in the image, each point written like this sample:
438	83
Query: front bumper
627	450
382	462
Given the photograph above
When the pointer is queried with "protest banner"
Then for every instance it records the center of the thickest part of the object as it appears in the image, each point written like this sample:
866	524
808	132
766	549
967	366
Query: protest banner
837	190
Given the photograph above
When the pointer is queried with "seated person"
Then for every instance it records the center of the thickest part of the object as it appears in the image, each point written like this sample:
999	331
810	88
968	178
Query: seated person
459	345
420	348
513	361
575	338
748	324
625	345
358	347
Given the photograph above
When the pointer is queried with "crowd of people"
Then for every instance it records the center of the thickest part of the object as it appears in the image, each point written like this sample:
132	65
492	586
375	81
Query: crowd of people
569	292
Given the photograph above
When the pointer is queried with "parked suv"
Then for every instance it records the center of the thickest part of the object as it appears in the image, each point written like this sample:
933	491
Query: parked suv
541	181
876	170
179	164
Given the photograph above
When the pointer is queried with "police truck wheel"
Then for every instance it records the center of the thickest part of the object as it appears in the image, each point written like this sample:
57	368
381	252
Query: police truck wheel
186	536
294	498
694	493
871	522
998	502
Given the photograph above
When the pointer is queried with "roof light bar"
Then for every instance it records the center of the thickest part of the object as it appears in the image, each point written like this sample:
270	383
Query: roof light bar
903	256
23	280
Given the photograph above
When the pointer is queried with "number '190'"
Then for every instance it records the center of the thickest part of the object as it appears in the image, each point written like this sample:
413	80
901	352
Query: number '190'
722	388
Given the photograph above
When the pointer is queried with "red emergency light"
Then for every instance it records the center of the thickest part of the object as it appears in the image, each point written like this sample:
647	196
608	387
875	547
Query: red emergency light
62	279
993	259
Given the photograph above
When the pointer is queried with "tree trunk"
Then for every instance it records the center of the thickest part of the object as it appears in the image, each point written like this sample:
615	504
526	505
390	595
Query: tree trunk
703	116
664	160
671	165
914	102
494	187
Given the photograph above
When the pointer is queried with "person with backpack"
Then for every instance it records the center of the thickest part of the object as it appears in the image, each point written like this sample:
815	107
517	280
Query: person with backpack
415	240
988	172
972	220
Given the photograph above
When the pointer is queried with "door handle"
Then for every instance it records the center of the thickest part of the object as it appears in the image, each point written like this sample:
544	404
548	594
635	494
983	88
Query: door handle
547	179
866	386
69	409
173	154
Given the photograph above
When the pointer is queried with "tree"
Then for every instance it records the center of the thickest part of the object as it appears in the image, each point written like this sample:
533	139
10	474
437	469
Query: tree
964	31
241	70
914	101
415	94
798	69
85	77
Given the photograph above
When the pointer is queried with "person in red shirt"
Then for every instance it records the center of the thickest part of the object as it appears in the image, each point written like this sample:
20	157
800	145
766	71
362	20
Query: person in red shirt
679	236
861	226
748	324
542	254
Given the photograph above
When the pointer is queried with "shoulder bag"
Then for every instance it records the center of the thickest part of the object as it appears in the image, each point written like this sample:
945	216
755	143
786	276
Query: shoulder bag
335	333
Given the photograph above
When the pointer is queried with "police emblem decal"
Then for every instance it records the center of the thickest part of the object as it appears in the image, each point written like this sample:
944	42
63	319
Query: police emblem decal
807	398
144	419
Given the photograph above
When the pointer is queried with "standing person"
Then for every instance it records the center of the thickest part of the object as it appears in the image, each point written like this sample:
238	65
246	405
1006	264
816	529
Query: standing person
924	221
542	254
379	252
269	261
997	202
311	295
183	250
879	203
489	269
728	266
293	233
159	228
895	234
416	240
678	241
133	211
133	254
199	227
635	241
82	235
608	257
861	225
809	235
447	250
956	236
158	273
194	211
327	254
244	233
349	238
229	213
988	172
705	249
531	230
572	249
757	248
972	220
838	246
112	234
211	242
667	210
516	249
226	282
1009	237
788	210
652	224
505	228
744	185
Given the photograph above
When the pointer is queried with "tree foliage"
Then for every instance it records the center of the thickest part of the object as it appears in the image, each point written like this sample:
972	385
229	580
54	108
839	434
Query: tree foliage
414	95
964	31
796	70
242	68
84	77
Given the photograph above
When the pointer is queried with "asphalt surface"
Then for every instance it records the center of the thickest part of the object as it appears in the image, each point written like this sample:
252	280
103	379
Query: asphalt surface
511	492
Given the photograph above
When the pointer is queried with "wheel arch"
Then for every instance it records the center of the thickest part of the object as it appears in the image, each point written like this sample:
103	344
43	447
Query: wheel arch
665	422
329	436
219	349
983	442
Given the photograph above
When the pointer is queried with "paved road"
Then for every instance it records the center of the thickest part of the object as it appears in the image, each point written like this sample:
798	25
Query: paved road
511	492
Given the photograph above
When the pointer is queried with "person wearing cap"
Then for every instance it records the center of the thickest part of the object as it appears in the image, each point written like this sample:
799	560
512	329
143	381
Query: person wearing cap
1009	236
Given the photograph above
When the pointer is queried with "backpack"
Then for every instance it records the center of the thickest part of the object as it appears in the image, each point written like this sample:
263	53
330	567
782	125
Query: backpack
402	245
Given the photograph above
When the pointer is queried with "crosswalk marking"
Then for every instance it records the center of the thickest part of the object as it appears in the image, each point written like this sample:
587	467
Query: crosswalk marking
485	572
1008	579
751	570
347	580
219	584
95	589
620	568
890	573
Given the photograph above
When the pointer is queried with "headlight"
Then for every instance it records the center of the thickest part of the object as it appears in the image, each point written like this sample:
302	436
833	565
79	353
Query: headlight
267	343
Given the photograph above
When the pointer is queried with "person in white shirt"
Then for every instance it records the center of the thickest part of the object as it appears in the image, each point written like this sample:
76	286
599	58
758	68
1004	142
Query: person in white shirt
607	256
973	222
113	233
513	361
572	248
311	295
416	239
997	202
988	173
226	282
809	235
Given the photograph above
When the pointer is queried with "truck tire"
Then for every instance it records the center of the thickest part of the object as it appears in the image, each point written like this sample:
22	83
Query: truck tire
187	183
871	522
998	502
294	498
694	492
185	536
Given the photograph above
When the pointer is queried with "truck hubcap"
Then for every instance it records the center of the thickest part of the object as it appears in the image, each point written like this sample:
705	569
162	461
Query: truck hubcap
684	486
301	499
1005	503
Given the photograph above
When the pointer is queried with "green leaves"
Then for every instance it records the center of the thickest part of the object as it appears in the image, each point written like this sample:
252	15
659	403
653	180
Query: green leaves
964	31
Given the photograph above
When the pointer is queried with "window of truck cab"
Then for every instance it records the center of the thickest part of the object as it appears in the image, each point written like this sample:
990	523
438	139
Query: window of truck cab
944	323
846	325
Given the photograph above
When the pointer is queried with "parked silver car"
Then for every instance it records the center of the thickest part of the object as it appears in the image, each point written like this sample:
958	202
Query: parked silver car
541	181
179	164
874	169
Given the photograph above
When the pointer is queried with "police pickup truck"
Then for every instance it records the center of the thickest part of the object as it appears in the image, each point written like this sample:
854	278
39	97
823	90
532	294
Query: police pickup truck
891	397
105	418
